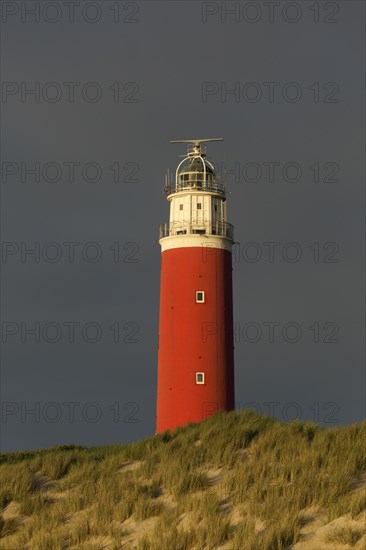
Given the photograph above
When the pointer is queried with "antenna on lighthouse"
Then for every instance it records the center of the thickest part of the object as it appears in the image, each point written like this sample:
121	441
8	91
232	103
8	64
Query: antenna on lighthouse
194	147
196	141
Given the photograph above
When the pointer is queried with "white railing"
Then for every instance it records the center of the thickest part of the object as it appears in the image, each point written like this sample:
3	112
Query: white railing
221	229
208	186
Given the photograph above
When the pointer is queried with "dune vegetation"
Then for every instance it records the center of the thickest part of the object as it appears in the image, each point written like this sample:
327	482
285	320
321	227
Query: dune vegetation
237	481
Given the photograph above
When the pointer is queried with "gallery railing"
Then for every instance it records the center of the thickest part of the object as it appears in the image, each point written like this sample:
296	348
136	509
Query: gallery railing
206	186
221	229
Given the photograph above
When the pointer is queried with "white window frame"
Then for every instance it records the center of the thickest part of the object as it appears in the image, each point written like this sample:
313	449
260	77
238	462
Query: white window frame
203	377
203	297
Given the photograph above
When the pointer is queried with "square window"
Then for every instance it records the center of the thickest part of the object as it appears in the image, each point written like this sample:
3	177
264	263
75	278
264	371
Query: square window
200	297
181	207
215	207
200	377
198	206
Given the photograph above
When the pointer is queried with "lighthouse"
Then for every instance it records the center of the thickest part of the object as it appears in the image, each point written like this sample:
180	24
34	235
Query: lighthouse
196	351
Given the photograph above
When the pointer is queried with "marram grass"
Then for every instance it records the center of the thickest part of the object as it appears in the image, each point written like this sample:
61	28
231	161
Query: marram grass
238	480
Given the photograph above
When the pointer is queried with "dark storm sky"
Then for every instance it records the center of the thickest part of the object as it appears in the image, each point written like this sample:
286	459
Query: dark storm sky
161	54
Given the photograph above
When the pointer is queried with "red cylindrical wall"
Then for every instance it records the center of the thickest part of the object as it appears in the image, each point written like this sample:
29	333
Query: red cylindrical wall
194	337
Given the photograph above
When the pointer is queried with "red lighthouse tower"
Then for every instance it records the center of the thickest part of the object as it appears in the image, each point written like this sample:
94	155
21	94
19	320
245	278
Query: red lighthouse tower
196	357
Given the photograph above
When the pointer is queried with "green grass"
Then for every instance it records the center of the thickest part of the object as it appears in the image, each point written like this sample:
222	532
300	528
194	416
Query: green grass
272	472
